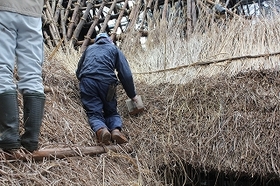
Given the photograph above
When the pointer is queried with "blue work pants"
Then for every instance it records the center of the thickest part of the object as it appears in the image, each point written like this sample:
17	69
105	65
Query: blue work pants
100	112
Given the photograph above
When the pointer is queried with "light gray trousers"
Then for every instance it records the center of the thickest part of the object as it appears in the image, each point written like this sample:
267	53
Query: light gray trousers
21	44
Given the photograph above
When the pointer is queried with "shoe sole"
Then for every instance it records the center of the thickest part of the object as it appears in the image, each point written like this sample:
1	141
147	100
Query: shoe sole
118	139
106	138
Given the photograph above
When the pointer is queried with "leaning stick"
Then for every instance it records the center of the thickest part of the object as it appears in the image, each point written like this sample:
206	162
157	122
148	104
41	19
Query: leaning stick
133	16
68	8
72	22
203	63
92	27
53	23
63	25
47	37
81	22
144	15
118	22
58	9
53	7
60	153
55	50
107	18
53	28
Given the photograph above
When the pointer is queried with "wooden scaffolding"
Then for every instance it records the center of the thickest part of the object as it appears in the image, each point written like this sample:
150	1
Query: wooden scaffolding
77	22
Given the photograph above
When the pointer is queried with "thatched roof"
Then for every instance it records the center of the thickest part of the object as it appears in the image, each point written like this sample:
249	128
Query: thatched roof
224	124
220	116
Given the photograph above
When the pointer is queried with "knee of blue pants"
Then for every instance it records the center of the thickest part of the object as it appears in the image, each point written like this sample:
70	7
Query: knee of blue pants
113	122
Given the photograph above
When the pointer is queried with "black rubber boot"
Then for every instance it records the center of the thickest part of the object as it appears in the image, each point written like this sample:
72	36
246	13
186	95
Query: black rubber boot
9	121
33	111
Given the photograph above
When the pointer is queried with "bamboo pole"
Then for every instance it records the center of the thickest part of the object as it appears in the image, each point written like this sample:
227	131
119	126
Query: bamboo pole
47	38
53	7
79	43
63	30
72	22
81	22
57	11
68	8
107	18
60	153
138	37
118	21
154	9
133	16
132	12
63	24
144	15
53	28
55	50
92	27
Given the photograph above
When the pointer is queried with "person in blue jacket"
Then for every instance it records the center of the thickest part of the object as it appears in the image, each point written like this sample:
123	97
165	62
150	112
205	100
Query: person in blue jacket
96	72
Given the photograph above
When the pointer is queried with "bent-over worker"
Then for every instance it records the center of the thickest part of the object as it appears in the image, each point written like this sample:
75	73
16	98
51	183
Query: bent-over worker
98	81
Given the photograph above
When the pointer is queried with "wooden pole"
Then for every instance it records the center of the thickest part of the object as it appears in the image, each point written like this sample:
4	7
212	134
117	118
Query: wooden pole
118	22
60	153
68	8
63	25
133	16
52	30
72	22
92	27
53	6
58	9
144	15
81	22
107	18
53	27
47	38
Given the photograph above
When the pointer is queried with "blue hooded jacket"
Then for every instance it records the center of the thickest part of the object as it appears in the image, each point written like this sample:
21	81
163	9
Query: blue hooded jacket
99	62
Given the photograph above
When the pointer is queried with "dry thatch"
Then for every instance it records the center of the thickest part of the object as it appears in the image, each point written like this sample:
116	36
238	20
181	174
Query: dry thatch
225	124
221	121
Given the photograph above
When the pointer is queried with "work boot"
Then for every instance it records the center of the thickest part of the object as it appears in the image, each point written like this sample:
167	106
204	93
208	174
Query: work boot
33	111
118	137
103	136
9	121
